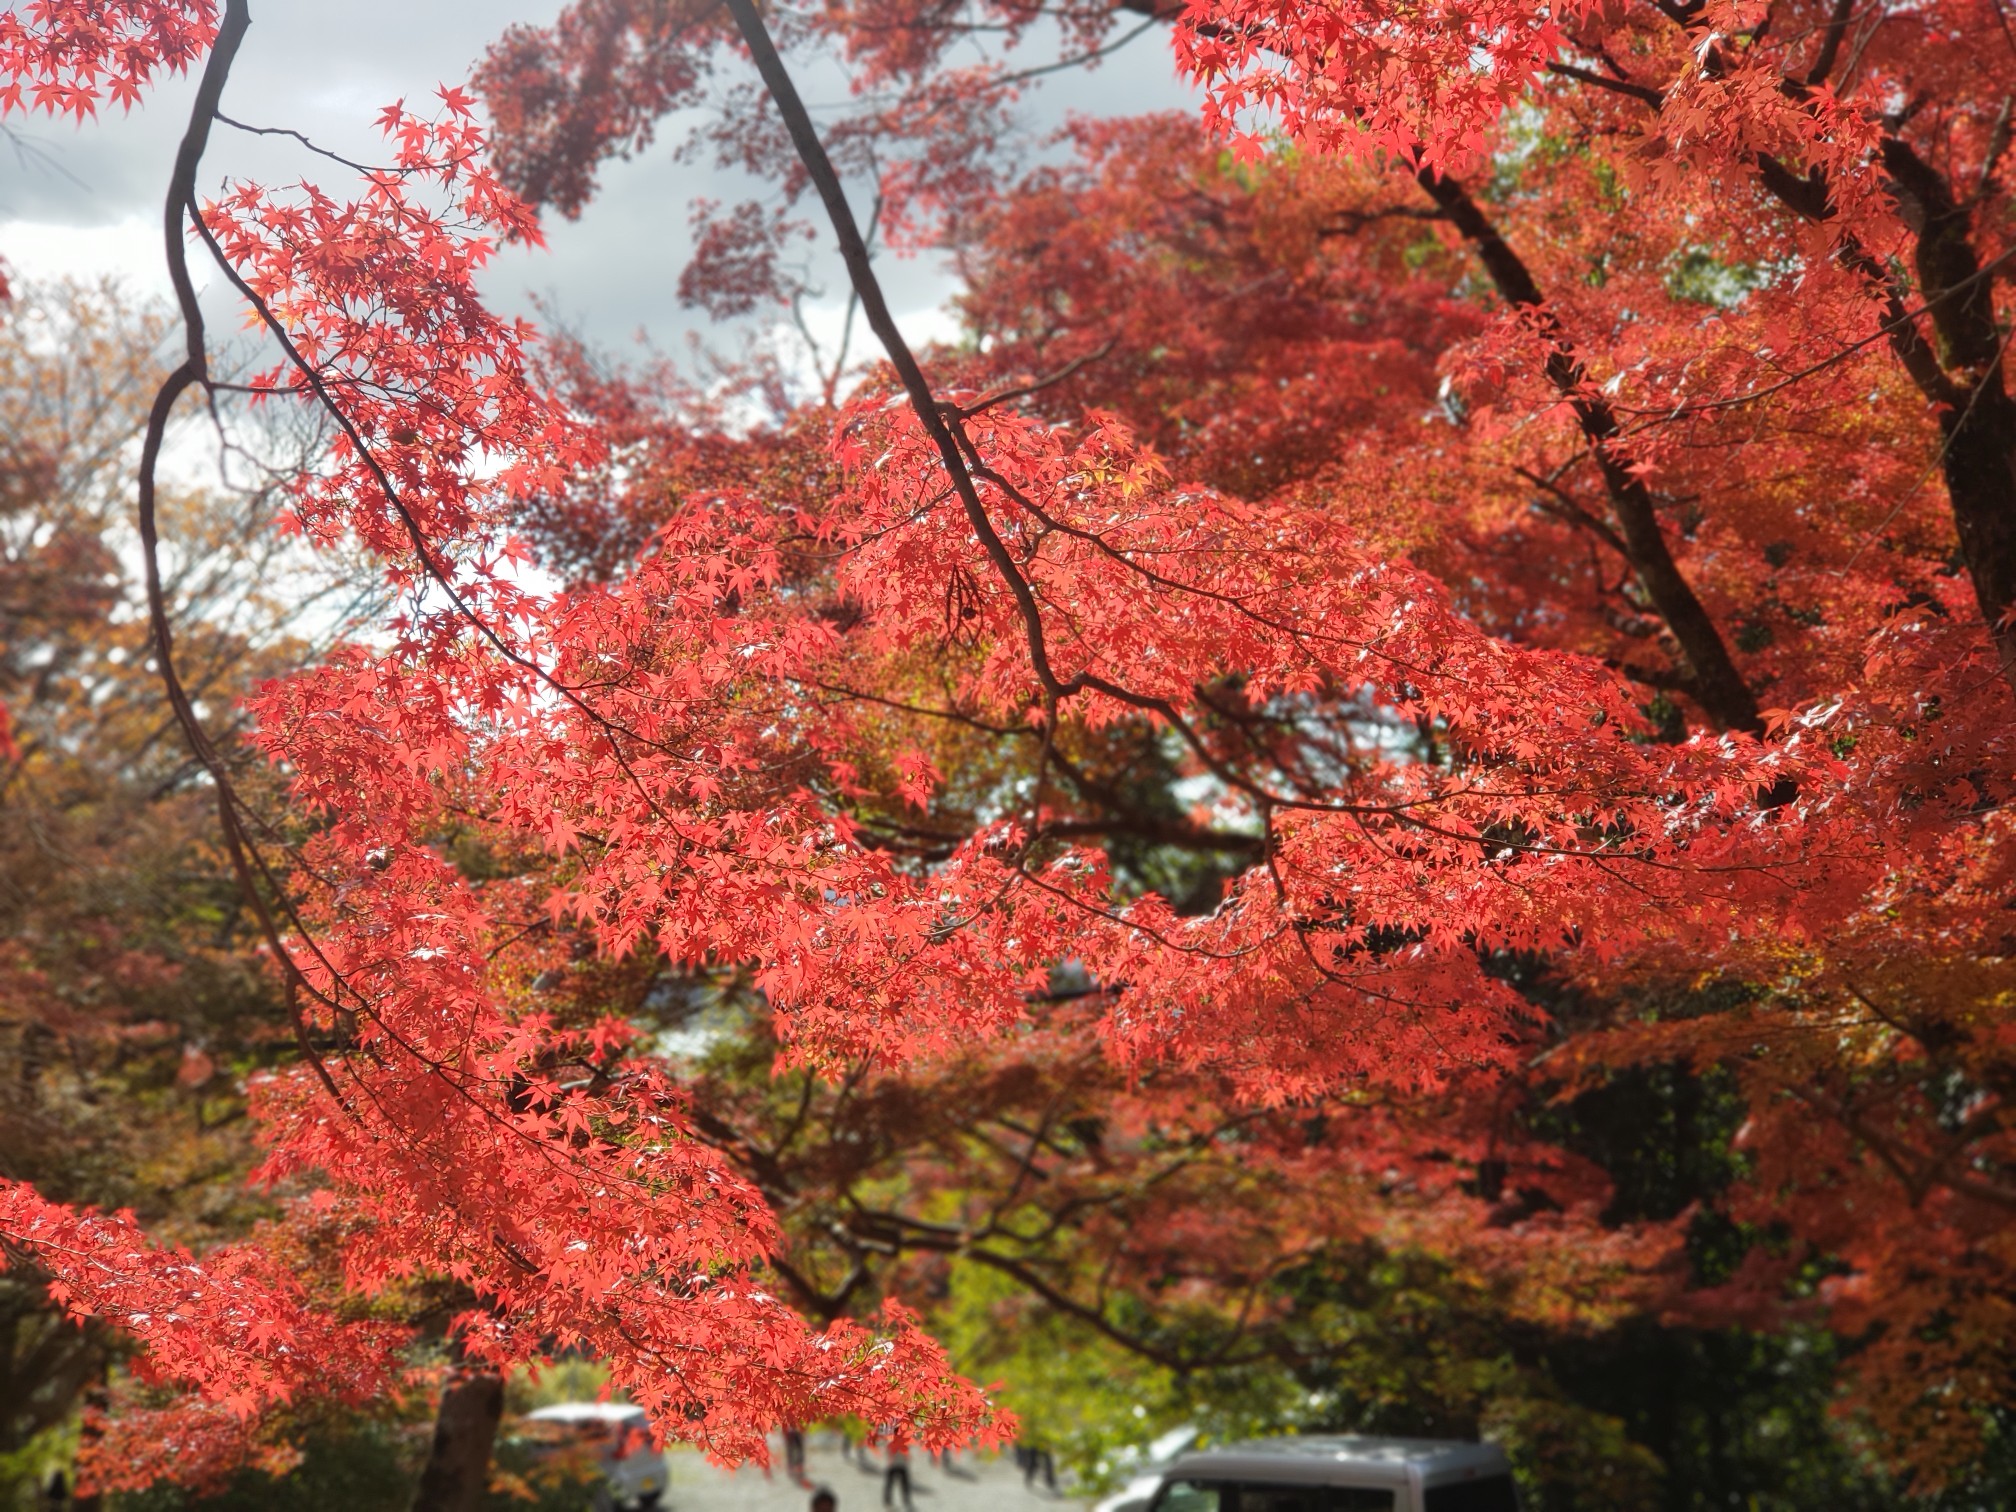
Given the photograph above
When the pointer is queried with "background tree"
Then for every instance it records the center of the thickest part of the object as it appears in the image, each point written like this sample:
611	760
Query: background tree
131	1001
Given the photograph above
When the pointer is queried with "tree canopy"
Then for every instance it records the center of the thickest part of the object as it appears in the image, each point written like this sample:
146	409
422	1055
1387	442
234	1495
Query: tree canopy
1450	620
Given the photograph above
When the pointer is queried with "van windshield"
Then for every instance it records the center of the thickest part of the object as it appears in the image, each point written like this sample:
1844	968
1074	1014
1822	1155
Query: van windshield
1490	1493
1250	1496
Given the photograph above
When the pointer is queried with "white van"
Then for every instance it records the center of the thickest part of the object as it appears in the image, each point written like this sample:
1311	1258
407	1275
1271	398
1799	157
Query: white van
1344	1474
1145	1467
616	1438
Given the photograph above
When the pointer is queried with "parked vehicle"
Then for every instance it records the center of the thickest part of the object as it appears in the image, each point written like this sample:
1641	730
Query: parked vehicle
1146	1469
1344	1474
613	1442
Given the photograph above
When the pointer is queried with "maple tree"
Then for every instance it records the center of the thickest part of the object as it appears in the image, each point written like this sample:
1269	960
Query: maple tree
1546	495
1720	347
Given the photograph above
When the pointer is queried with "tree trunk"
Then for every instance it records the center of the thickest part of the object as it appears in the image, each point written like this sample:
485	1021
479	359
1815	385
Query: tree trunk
1980	469
458	1464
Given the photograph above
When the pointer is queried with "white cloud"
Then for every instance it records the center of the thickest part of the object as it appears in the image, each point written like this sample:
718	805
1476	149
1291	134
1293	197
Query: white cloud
128	250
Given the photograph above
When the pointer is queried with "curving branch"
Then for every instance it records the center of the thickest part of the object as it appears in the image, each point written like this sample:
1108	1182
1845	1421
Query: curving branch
193	372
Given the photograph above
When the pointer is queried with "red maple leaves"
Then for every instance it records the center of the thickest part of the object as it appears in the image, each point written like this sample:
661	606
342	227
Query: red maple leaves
238	1320
1428	767
64	56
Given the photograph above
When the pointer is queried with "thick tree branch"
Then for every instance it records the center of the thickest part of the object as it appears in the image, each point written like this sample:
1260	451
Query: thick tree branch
194	372
1643	92
1965	378
1830	42
1717	683
1980	429
1965	381
861	271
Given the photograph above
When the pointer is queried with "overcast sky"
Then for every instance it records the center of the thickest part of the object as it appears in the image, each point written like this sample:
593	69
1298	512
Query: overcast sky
85	200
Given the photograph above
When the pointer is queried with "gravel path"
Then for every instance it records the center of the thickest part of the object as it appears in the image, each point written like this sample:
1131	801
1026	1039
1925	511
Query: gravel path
978	1485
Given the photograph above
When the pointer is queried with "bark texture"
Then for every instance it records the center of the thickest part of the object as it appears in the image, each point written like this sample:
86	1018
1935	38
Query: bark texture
465	1429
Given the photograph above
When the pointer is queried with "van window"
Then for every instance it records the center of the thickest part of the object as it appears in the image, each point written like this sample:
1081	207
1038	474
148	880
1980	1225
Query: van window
1488	1493
1228	1496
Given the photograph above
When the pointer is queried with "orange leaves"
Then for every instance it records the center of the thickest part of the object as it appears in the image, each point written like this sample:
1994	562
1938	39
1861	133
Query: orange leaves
1421	85
593	84
1242	580
192	1442
917	778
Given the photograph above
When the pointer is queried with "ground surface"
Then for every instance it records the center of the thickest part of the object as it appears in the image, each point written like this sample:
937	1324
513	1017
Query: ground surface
978	1485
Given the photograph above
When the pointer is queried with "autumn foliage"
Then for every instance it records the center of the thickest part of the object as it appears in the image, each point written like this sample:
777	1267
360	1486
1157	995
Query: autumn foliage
1536	482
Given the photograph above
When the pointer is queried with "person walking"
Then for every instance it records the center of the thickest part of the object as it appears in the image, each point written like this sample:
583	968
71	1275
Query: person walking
1034	1462
794	1454
898	1474
854	1450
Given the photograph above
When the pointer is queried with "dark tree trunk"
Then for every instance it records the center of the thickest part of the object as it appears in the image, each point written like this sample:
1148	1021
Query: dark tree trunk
1980	469
458	1463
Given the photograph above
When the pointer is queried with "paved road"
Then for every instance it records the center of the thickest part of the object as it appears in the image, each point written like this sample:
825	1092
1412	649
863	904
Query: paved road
981	1485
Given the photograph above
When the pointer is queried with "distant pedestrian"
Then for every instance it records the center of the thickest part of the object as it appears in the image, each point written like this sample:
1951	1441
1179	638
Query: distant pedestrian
898	1474
1037	1462
794	1454
824	1500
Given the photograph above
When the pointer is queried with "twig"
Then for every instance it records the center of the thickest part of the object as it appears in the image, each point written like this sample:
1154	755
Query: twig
1035	385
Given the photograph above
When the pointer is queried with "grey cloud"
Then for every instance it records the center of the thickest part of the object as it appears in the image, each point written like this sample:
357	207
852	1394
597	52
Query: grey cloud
326	68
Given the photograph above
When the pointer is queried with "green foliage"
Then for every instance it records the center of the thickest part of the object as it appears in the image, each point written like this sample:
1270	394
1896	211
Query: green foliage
1736	1418
346	1465
1084	1398
1702	277
1077	1395
1572	1457
25	1467
570	1379
1410	1349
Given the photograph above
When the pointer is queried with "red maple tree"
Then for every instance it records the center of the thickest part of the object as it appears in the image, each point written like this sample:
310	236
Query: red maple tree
1550	486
